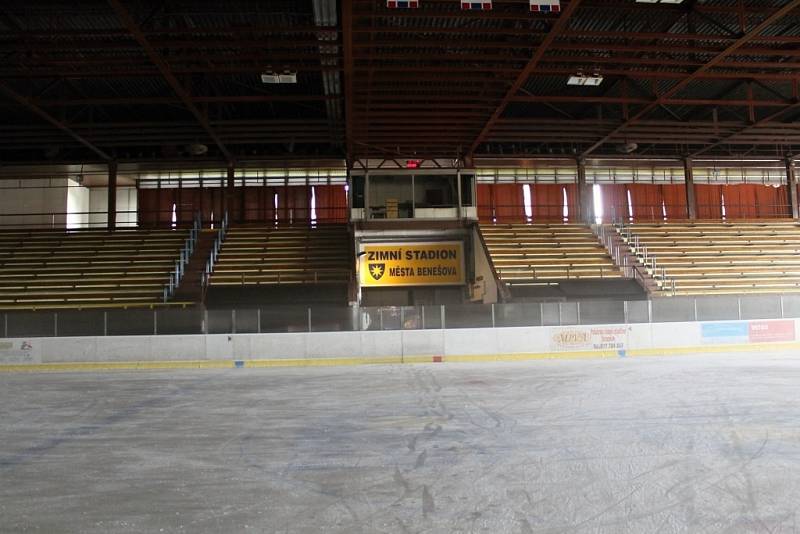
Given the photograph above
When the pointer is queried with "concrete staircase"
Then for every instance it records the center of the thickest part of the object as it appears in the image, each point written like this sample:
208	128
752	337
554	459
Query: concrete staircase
625	258
191	288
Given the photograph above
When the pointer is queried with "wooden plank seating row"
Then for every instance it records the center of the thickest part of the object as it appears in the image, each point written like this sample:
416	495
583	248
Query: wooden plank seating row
545	260
95	258
547	254
682	250
102	240
133	283
41	269
87	271
284	252
74	263
96	243
269	255
89	235
723	258
282	277
255	264
74	244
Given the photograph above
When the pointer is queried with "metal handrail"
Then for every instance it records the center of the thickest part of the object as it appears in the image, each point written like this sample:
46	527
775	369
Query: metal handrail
222	232
189	246
648	260
607	236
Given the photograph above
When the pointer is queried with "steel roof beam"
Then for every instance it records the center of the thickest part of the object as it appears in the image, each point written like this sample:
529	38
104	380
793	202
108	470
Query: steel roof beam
771	19
559	26
169	100
761	122
427	72
168	75
634	100
36	110
347	46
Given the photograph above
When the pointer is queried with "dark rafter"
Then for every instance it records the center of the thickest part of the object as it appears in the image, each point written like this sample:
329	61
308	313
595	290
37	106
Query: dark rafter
166	72
733	47
33	108
436	81
559	26
749	128
347	45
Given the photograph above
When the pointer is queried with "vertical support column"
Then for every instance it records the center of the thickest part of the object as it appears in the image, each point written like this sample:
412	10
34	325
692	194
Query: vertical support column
111	209
367	214
286	212
691	202
157	218
791	187
307	210
230	189
585	196
242	200
459	212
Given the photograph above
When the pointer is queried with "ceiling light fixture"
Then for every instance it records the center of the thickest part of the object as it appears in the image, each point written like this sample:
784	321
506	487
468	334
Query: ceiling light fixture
287	76
581	79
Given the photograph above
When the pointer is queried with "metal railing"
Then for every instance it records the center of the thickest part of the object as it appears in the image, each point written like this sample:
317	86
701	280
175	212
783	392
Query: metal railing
168	218
93	220
298	215
655	213
515	214
646	260
222	232
608	237
192	320
189	245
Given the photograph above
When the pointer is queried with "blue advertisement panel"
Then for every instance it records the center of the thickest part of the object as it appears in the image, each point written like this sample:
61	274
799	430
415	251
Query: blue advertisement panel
725	332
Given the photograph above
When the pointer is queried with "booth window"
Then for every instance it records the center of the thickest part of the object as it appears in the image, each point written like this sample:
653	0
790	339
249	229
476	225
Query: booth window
467	181
358	191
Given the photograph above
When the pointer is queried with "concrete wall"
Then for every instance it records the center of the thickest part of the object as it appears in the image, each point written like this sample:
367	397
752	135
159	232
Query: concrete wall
457	344
37	196
483	269
65	198
77	205
126	206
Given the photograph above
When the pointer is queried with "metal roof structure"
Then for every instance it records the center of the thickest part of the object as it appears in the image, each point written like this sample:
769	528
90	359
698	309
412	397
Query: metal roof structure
147	80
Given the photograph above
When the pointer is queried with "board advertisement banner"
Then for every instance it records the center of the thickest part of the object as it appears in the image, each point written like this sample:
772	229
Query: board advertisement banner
589	338
17	351
748	331
771	331
438	263
733	332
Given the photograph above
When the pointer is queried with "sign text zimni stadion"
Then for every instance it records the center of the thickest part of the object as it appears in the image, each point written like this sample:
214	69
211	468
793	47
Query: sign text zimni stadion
412	264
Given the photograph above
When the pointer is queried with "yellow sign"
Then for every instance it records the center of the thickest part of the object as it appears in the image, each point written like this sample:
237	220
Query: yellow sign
412	264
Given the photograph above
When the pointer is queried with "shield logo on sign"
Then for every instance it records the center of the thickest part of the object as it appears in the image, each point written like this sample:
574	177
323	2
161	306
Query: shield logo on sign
376	270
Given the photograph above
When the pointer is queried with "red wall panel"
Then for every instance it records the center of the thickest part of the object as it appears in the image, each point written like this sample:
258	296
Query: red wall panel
709	201
331	203
752	201
614	201
674	196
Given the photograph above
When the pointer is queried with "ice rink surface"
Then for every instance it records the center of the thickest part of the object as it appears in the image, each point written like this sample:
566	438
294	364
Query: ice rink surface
682	444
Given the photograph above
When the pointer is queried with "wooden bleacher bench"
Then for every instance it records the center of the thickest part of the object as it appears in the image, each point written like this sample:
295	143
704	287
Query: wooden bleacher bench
724	257
87	268
546	254
276	255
